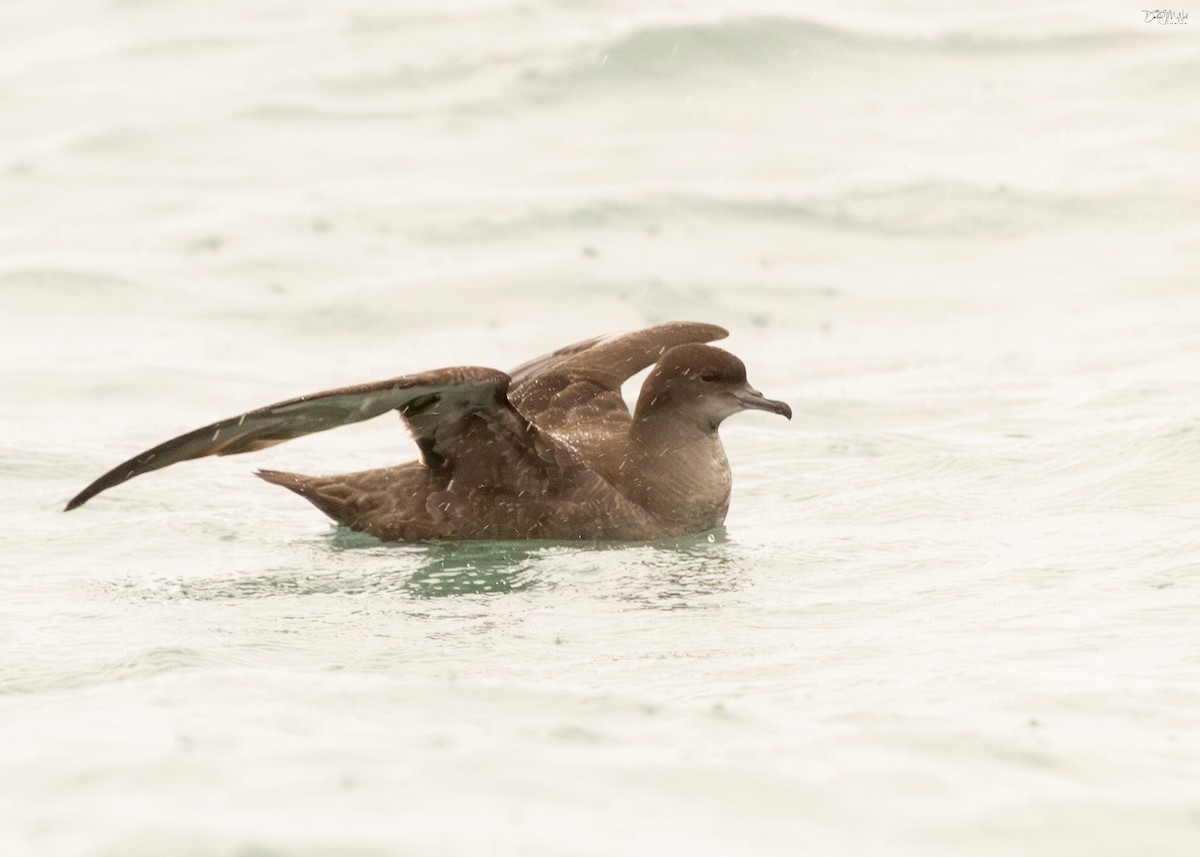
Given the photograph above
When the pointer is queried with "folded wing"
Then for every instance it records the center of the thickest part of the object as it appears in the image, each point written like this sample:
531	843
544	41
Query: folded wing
436	405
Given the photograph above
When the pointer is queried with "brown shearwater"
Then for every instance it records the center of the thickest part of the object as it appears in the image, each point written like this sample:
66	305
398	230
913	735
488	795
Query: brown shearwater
547	451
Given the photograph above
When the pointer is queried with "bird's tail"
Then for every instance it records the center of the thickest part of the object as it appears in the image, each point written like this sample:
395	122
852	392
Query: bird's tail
335	499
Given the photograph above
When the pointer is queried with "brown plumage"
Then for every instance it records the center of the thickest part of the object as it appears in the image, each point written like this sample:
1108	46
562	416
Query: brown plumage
548	451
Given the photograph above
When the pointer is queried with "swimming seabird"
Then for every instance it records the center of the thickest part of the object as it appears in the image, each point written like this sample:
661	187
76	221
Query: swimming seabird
547	451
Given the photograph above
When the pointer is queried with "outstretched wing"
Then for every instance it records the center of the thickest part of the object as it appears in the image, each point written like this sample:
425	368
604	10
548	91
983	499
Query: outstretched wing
436	405
574	394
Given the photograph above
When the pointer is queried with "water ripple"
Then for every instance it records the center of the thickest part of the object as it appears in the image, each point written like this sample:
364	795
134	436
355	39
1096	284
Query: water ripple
34	678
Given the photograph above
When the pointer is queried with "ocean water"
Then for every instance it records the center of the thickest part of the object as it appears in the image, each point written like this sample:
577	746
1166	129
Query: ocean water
954	607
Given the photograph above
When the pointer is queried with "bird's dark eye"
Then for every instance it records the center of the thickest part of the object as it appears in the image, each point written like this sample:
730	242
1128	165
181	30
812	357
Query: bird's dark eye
709	377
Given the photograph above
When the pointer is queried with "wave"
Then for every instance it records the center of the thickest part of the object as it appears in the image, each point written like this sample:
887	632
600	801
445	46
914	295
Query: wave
658	50
737	42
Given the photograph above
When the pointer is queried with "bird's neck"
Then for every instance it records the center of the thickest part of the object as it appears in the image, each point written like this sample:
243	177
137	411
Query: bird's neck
678	471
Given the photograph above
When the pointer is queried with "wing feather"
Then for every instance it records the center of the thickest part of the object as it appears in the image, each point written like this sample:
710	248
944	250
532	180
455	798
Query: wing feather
574	393
613	359
429	398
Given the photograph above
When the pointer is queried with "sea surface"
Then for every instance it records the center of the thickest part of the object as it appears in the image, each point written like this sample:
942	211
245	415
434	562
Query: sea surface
955	608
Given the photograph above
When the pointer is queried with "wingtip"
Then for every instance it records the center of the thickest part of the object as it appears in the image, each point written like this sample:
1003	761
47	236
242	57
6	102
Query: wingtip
702	330
77	501
718	332
105	482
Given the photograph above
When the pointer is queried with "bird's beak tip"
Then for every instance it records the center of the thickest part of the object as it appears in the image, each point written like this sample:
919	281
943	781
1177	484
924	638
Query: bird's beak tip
754	400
